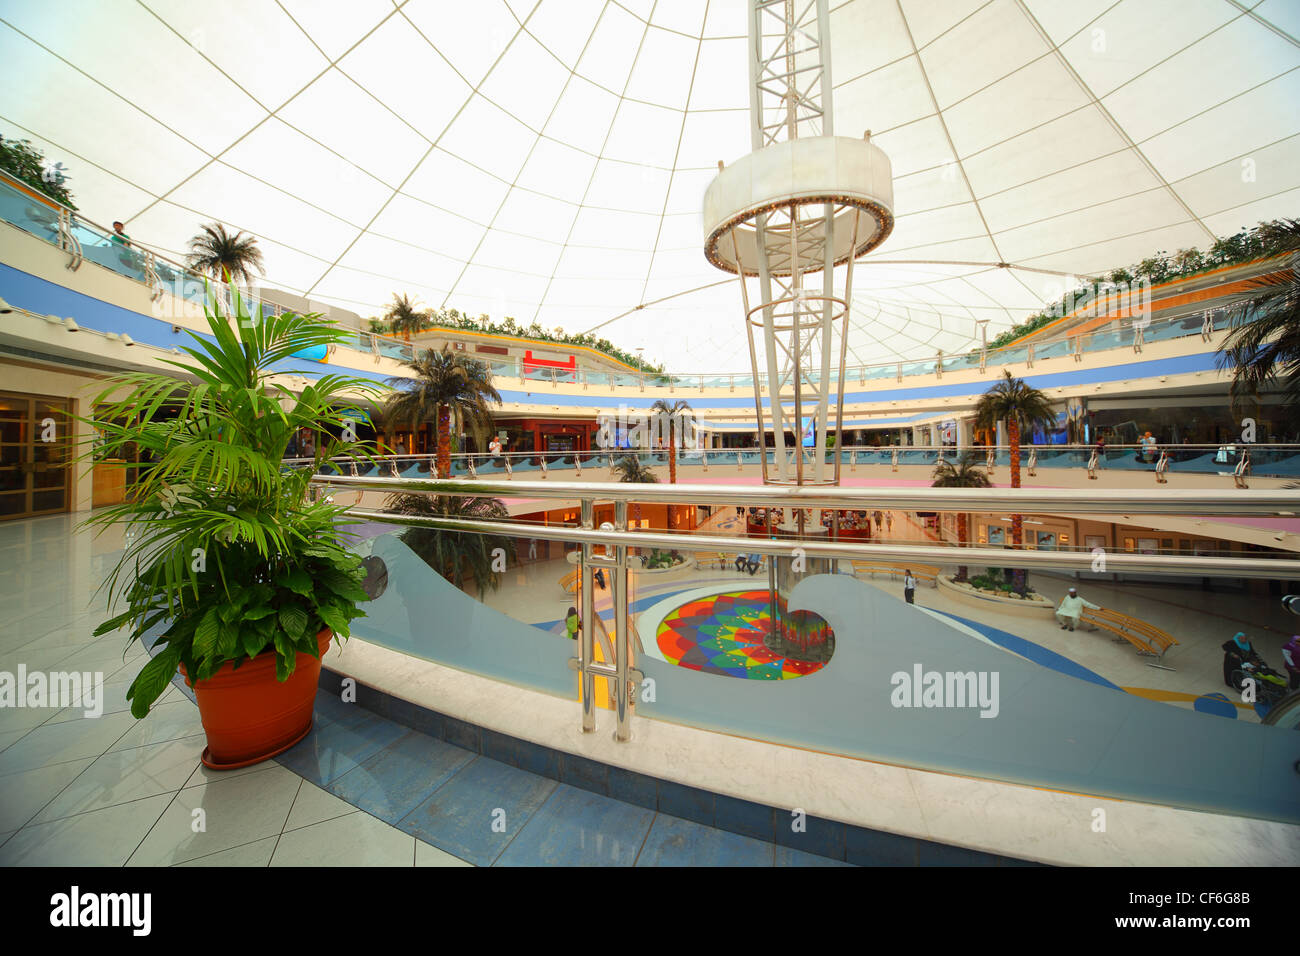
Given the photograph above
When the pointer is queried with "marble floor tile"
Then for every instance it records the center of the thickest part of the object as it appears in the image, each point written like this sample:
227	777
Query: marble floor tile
476	814
22	795
235	812
169	721
579	828
102	838
257	853
125	775
676	842
400	777
426	855
314	805
357	839
71	740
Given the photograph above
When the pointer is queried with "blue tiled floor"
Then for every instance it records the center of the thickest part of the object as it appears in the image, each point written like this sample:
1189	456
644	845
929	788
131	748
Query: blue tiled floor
491	813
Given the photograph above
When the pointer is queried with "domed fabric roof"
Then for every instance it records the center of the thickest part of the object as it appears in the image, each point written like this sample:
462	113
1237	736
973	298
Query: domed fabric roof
547	160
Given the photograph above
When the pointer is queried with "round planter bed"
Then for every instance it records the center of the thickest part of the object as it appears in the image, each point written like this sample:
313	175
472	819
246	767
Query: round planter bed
1034	606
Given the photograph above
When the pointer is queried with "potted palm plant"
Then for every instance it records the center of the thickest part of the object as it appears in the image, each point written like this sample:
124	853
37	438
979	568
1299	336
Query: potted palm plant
226	547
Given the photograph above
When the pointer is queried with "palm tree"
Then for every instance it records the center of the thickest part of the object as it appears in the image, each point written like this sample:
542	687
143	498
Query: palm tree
1022	407
1263	345
225	256
456	555
630	468
445	384
672	412
405	316
962	474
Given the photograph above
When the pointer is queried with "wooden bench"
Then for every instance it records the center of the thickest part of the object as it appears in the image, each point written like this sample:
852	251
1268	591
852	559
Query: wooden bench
922	572
1149	640
569	583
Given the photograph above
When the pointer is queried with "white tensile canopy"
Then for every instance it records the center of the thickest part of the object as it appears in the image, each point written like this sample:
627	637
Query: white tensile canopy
546	159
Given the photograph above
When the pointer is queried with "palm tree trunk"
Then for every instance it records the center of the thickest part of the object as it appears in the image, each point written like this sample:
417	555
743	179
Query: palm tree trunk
444	441
1017	521
672	466
961	543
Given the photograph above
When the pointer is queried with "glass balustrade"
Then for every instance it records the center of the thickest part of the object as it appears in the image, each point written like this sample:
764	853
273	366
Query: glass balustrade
1039	705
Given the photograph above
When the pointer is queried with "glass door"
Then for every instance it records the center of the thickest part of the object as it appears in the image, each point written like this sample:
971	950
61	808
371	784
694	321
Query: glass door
35	450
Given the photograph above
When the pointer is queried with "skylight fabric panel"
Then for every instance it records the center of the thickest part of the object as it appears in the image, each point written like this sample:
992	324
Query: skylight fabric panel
401	263
289	268
1134	37
490	139
427	227
1072	139
335	27
865	36
607	296
111	41
1039	93
1062	21
727	18
686	194
683	16
1101	257
607	61
256	43
721	76
1009	290
371	295
220	192
1234	130
927	20
1233	60
929	189
1229	221
564	26
337	112
644	134
1236	182
627	186
583	117
1282	14
527	213
470	35
712	136
557	170
1096	224
916	146
586	262
992	43
664	70
505	250
682	232
404	72
508	291
526	82
84	119
889	97
277	153
614	229
451	184
1101	180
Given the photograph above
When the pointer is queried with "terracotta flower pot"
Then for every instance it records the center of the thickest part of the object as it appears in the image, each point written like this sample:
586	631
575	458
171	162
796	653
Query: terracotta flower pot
248	715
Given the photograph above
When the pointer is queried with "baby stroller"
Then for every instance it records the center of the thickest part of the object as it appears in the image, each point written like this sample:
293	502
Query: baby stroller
1270	686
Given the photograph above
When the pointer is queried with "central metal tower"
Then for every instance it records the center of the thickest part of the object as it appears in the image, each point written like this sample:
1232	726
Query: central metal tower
789	219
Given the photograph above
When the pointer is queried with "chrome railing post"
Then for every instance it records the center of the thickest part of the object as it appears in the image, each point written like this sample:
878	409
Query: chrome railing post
622	636
586	651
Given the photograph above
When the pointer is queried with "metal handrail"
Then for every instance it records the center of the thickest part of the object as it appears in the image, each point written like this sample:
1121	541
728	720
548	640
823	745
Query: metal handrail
1256	502
920	554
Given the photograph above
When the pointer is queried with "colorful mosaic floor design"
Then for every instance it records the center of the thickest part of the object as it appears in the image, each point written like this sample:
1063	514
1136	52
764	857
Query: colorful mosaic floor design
723	634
